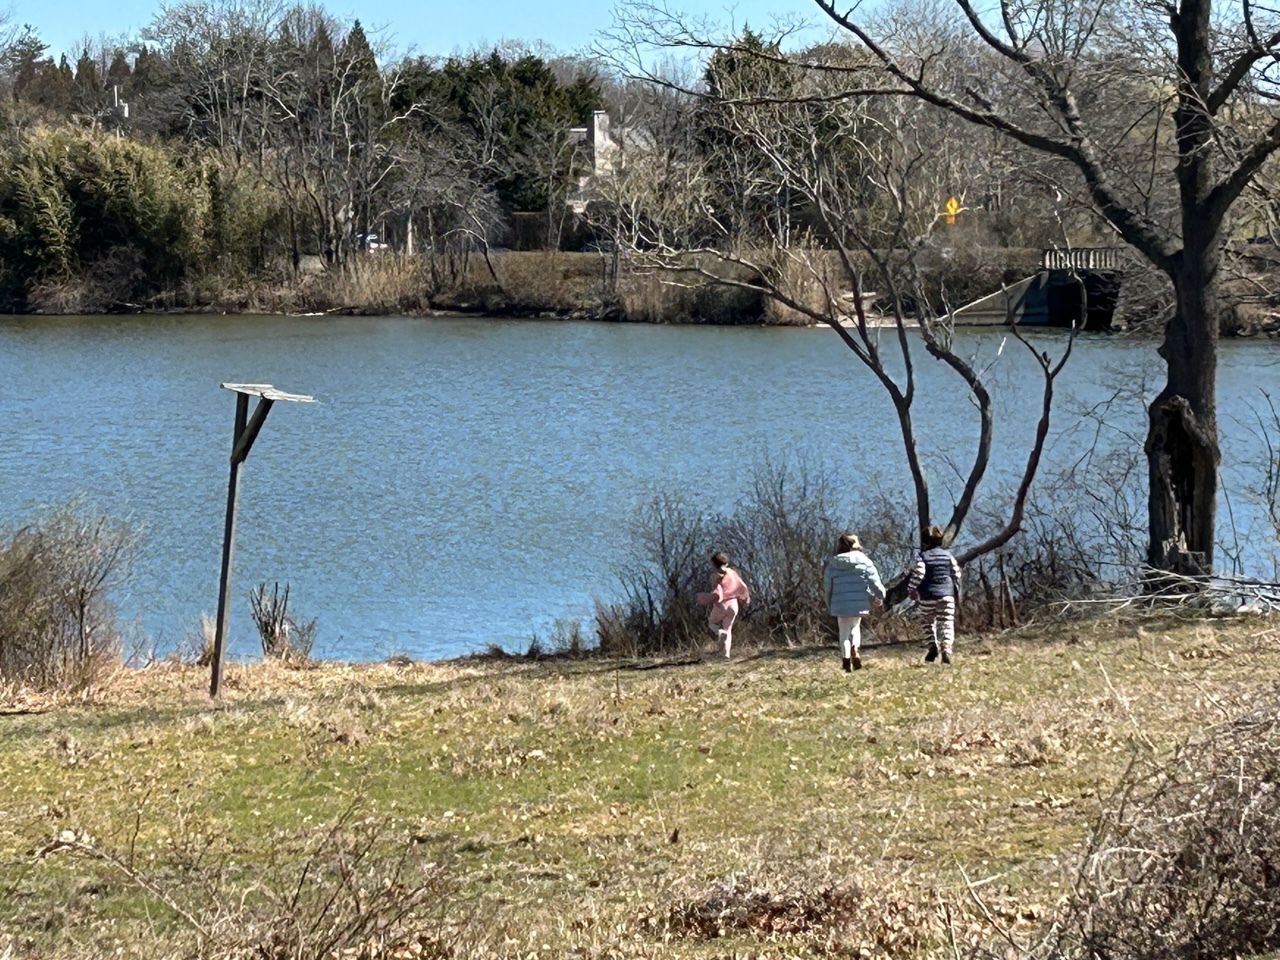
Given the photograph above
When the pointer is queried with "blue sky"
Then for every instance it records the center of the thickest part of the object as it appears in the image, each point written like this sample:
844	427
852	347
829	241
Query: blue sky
432	27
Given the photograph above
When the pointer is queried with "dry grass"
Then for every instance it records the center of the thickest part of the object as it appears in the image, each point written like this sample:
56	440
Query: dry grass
373	284
649	297
806	277
772	806
556	283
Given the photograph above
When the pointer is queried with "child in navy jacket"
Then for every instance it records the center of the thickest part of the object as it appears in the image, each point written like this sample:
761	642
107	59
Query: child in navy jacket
935	583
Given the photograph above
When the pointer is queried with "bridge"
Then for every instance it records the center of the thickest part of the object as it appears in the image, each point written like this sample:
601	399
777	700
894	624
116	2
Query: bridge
1073	287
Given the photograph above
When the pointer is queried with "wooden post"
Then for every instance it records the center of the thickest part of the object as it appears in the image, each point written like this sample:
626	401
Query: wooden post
246	431
228	543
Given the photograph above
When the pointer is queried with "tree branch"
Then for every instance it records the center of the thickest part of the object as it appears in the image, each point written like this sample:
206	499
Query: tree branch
1136	229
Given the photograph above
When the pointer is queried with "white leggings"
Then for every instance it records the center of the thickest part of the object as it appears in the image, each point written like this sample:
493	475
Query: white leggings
850	635
721	619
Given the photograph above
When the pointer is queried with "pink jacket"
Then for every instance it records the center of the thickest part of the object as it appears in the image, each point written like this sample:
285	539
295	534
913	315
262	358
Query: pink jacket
730	587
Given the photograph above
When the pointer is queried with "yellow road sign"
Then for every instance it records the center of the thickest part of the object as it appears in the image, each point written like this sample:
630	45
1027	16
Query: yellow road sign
950	209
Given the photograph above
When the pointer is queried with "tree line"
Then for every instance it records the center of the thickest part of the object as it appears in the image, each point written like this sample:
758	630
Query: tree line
236	139
233	138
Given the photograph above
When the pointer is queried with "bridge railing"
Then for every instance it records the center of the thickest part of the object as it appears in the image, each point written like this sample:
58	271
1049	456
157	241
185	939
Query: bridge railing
1084	258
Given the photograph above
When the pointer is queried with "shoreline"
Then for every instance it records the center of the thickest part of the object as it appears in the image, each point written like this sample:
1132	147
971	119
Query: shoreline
128	674
595	287
489	312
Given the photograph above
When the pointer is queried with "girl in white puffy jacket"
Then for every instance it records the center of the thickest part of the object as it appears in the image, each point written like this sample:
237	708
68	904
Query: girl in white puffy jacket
851	585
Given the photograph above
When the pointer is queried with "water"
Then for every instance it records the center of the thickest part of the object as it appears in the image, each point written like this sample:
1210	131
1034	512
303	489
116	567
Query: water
467	482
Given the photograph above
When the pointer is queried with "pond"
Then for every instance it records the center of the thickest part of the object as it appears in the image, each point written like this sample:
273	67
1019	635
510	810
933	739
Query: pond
463	482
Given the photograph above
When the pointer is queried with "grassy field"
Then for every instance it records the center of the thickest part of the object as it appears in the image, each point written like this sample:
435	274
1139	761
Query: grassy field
769	806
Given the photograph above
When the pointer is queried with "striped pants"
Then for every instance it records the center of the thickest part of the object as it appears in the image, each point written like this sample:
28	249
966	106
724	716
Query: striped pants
939	620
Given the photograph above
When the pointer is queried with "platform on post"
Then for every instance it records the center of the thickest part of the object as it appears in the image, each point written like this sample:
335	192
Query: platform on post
247	428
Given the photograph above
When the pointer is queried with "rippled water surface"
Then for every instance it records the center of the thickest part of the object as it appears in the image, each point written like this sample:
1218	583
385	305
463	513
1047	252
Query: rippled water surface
463	482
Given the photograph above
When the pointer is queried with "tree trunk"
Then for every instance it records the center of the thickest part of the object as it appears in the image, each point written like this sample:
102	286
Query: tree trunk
1182	439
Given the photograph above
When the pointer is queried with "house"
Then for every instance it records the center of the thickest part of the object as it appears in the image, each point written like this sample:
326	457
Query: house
604	147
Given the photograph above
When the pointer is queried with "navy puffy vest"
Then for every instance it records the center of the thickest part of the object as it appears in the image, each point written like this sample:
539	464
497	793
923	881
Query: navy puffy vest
937	582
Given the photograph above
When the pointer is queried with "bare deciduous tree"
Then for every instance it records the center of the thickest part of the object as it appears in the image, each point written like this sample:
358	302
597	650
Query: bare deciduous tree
1203	115
1164	114
218	51
858	180
324	114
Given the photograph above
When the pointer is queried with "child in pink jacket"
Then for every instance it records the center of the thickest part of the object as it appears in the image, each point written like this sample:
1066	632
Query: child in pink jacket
727	589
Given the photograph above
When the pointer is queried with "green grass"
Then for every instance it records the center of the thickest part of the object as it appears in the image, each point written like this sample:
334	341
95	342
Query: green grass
582	805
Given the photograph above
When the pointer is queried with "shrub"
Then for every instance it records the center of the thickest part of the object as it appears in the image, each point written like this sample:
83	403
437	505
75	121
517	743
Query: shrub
284	637
354	888
1083	537
57	622
89	221
658	613
728	305
567	639
779	535
1187	862
782	533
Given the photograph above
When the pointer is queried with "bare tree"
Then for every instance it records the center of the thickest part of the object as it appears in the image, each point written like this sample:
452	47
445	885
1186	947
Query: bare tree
1162	162
449	180
298	97
218	51
859	180
324	118
653	187
444	188
1206	122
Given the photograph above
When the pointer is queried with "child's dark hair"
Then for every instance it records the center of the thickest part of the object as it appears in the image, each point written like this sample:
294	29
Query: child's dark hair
847	542
933	537
719	559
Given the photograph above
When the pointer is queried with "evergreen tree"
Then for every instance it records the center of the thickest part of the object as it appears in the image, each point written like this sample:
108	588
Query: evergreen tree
357	55
745	190
24	61
148	73
516	112
119	72
51	87
86	86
